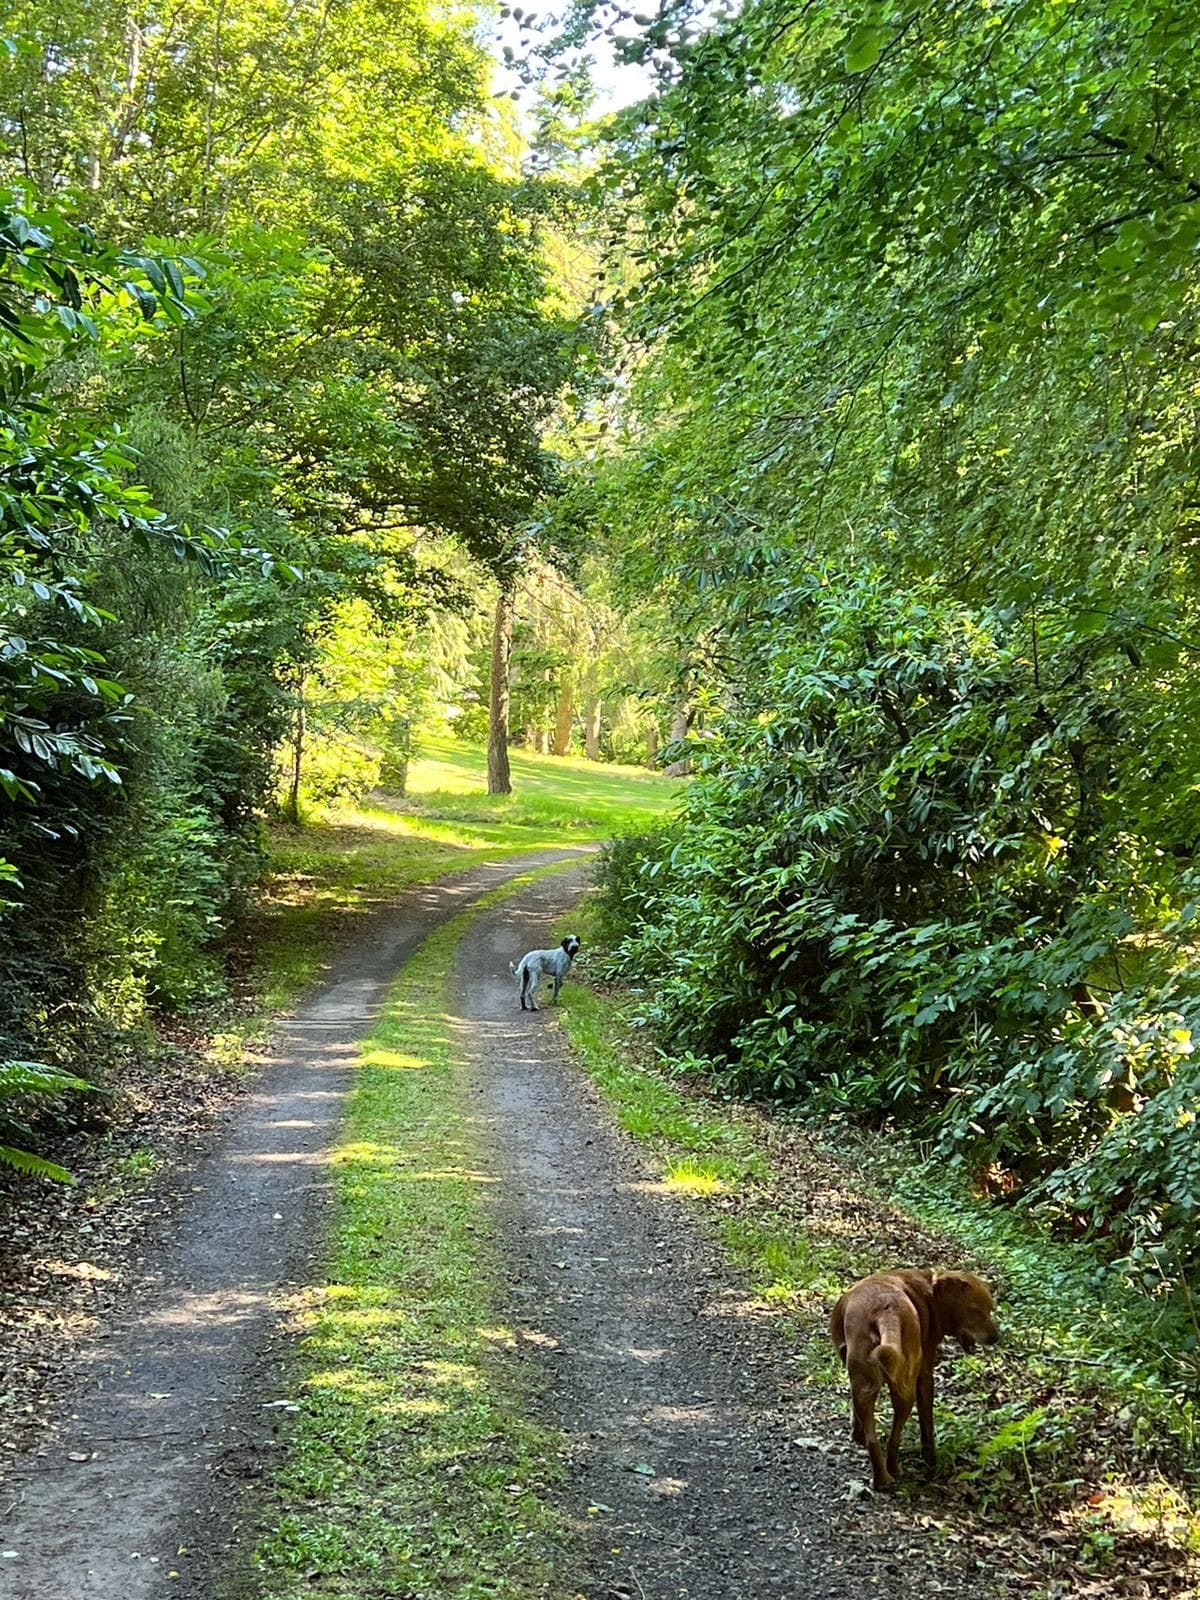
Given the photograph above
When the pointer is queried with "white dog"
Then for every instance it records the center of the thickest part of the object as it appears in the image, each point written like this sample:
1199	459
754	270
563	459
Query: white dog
539	964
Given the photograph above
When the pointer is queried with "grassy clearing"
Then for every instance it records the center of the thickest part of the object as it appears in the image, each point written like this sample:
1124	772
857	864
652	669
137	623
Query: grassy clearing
411	1469
591	800
1081	1430
342	865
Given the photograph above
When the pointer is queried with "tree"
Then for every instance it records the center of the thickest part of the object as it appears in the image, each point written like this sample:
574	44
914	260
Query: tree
910	295
344	351
499	777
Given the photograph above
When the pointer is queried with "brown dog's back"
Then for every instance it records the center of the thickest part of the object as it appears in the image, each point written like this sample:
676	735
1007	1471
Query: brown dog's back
883	1322
887	1329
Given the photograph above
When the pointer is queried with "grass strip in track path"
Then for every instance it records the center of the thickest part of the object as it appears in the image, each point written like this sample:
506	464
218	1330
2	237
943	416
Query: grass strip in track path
411	1468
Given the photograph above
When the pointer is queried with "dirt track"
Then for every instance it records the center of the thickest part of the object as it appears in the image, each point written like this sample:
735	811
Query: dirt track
700	1468
173	1415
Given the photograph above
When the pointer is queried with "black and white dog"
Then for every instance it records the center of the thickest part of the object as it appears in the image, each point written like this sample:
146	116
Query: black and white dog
539	964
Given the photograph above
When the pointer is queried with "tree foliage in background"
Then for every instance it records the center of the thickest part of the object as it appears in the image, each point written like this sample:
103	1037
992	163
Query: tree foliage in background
910	296
273	272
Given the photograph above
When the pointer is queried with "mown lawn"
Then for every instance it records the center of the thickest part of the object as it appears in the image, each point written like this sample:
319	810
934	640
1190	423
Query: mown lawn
589	799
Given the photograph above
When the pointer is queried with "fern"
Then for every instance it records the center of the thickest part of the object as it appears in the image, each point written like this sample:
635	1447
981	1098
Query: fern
20	1078
1014	1435
34	1166
34	1077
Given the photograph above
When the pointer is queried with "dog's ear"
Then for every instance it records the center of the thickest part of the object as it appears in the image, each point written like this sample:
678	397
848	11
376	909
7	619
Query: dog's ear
957	1294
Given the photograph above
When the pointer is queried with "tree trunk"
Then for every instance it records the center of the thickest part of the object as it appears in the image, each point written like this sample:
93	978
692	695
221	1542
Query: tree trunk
680	723
292	809
499	779
564	715
652	745
593	713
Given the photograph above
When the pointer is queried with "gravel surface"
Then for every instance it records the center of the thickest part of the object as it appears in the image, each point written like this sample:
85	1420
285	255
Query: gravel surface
700	1467
140	1494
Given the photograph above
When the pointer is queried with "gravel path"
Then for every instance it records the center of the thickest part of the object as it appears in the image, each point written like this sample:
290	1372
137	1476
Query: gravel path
172	1417
700	1466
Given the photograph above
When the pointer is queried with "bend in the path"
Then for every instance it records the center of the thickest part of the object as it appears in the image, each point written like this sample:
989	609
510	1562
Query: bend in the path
174	1409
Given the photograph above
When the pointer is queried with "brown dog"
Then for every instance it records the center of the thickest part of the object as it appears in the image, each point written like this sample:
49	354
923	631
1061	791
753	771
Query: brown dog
887	1329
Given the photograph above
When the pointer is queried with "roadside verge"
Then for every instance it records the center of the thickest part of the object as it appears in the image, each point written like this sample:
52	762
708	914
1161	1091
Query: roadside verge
1062	1455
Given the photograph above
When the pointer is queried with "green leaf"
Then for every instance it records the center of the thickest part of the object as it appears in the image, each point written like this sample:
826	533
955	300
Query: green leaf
33	1166
865	47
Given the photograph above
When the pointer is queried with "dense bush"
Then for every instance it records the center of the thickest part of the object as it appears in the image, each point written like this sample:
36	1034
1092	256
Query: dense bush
937	867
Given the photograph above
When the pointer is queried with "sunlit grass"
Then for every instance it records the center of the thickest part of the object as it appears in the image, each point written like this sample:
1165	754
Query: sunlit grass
412	1468
345	863
695	1178
696	1148
588	799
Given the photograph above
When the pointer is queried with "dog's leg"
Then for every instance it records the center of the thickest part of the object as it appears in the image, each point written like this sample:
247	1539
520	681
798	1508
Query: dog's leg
925	1417
532	980
865	1383
902	1405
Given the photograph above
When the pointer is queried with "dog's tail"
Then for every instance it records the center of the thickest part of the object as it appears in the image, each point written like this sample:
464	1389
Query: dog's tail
888	1353
512	967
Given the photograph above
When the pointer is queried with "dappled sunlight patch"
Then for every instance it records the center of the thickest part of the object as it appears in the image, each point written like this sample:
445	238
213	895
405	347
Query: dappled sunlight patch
394	1060
283	1158
1154	1510
342	1291
736	1306
352	1381
539	1340
694	1178
221	1309
651	1186
451	1174
459	1374
413	1406
501	1337
366	1152
699	1416
81	1271
370	1319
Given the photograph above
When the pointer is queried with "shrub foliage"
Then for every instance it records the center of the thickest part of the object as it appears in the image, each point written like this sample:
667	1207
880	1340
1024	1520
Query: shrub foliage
938	870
